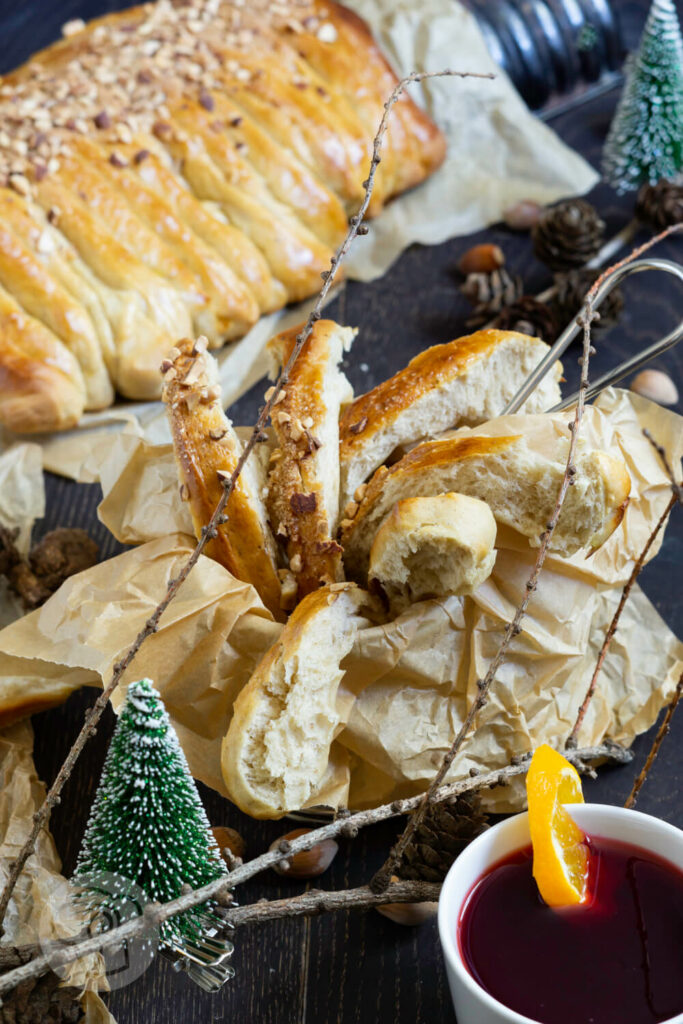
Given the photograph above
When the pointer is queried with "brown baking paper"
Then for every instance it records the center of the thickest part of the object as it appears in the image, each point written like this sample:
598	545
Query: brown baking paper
409	682
498	153
33	915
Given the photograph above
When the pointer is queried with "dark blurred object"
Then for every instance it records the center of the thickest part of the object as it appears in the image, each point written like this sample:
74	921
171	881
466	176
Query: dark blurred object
551	48
529	316
568	234
571	289
661	205
60	554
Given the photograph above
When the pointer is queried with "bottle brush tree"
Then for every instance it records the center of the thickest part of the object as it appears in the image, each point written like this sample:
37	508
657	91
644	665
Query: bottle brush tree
645	140
147	822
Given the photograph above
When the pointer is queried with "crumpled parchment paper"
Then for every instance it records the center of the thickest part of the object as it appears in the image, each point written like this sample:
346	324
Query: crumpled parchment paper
33	913
407	683
498	153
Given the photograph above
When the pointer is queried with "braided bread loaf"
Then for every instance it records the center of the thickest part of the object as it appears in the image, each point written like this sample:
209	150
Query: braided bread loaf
180	169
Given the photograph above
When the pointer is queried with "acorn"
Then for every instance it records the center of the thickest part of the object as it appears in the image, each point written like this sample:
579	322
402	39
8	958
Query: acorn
306	863
229	839
481	259
656	386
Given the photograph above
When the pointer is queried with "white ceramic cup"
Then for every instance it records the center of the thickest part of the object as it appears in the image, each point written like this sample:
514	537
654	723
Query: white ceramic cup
473	1005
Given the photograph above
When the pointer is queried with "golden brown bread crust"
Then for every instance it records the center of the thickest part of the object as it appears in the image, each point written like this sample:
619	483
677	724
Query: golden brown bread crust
303	485
207	449
197	164
464	381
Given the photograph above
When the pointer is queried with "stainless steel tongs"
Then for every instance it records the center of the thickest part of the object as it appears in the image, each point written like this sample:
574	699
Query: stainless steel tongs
570	332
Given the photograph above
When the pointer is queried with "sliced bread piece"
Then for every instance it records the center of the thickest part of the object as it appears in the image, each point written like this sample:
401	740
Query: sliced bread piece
464	382
276	751
520	487
433	547
303	486
207	450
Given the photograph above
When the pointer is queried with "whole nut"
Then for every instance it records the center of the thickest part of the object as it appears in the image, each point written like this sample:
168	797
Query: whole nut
481	259
306	863
229	839
656	386
409	914
523	215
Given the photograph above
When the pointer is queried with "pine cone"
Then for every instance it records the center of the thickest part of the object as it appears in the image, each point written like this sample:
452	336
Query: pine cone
39	1001
529	316
444	833
568	235
660	205
571	292
489	293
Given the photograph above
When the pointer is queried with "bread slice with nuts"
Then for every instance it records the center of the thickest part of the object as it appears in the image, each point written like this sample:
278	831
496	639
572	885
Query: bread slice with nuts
464	382
432	547
519	485
276	751
303	486
207	450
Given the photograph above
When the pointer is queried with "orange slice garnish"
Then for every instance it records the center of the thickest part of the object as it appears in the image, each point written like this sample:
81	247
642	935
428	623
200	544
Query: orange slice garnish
559	846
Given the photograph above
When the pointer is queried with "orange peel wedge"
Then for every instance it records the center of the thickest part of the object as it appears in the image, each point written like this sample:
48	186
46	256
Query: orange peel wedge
561	855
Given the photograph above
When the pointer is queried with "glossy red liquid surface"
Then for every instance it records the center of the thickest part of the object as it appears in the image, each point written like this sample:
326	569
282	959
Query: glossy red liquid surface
615	960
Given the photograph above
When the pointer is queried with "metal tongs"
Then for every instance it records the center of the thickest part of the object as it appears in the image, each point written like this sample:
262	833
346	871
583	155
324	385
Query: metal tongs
570	332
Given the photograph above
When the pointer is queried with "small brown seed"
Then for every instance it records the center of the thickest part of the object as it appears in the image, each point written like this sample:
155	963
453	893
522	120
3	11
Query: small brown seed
229	839
523	215
307	863
656	386
481	259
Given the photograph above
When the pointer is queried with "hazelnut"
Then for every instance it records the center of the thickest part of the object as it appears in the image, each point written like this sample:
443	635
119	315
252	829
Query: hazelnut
481	259
523	215
229	839
409	914
656	386
307	863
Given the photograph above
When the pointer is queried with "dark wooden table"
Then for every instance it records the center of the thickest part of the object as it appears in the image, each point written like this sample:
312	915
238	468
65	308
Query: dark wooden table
357	968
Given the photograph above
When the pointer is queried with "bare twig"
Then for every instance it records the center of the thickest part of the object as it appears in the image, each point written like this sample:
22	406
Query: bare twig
609	635
316	901
657	742
588	314
676	485
342	826
42	816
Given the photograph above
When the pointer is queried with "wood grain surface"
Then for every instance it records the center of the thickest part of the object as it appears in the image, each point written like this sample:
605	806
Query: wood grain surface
357	969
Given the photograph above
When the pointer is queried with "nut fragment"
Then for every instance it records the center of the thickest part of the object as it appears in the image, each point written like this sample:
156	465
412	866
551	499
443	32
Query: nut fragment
523	215
656	386
295	563
481	259
229	839
307	863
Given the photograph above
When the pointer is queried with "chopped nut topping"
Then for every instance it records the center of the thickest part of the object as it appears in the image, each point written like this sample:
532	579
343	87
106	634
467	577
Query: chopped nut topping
117	160
359	492
350	510
308	422
295	563
184	492
336	587
71	28
201	345
300	503
282	417
359	427
217	433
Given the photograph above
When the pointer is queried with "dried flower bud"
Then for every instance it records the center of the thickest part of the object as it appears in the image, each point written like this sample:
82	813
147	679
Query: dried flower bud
307	863
481	259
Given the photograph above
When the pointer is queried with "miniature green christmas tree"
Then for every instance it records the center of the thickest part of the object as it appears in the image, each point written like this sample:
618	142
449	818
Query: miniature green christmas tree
147	822
645	140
